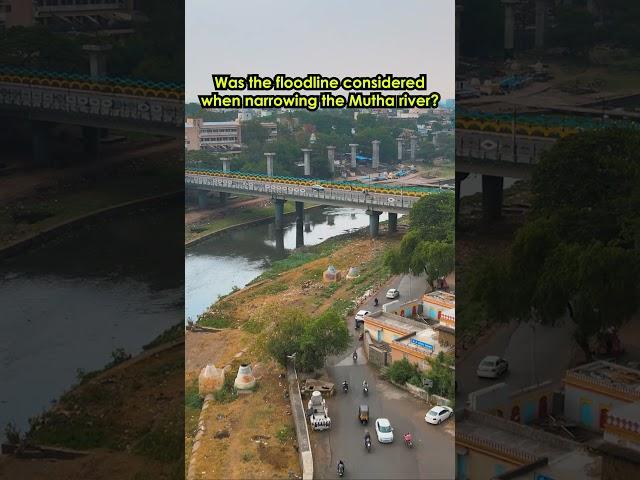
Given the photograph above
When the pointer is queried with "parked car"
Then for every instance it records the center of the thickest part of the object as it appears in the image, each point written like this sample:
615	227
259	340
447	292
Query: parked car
384	430
359	318
438	415
317	188
492	366
393	293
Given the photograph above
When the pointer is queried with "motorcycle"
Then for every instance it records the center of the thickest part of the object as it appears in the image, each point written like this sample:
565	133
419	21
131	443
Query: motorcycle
365	390
355	356
408	441
367	444
340	469
345	387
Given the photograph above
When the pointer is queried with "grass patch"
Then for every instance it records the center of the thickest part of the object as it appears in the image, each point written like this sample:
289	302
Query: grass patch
192	398
228	391
169	335
253	325
284	433
165	444
214	320
273	288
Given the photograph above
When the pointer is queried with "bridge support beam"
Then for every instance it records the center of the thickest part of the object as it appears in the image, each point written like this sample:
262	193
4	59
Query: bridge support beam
307	161
540	23
374	222
354	152
279	234
270	163
91	139
399	140
492	196
279	203
393	222
41	132
509	25
460	176
226	164
299	224
203	199
331	157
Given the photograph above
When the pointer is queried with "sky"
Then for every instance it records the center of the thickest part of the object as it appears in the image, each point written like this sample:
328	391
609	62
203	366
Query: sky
332	37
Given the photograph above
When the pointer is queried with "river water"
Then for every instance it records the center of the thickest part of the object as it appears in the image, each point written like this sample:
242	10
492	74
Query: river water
216	265
67	305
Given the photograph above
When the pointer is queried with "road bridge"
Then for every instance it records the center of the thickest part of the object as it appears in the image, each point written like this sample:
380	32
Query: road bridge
47	98
374	199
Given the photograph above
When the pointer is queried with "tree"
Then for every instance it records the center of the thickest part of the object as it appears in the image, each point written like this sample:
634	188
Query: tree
434	216
312	339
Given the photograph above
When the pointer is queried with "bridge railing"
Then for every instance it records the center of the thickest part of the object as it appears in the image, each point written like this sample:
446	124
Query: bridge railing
499	147
358	197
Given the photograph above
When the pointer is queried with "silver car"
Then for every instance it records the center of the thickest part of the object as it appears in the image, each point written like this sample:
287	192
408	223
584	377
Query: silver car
492	366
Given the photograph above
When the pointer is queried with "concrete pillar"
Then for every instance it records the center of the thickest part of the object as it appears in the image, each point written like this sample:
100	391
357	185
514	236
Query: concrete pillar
91	139
540	23
331	157
393	222
299	233
300	212
354	147
279	234
307	161
270	163
492	196
97	59
376	153
414	146
41	138
203	199
460	176
399	139
374	222
509	25
226	164
279	213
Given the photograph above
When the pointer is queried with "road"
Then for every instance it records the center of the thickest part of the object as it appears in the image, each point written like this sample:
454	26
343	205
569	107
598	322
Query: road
534	356
433	454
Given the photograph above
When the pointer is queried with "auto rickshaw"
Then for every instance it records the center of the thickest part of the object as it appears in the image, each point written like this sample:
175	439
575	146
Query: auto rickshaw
363	414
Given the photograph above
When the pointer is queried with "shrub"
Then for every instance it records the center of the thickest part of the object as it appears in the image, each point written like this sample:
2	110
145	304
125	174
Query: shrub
401	371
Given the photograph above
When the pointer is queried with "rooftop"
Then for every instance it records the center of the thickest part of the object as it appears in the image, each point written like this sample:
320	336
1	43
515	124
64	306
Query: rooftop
440	297
606	375
425	340
521	444
404	324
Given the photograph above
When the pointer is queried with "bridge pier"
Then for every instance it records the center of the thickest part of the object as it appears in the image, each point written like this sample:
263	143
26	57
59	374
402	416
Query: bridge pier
299	233
393	222
279	203
203	199
331	157
374	222
399	140
375	157
460	176
354	147
307	161
270	163
414	145
91	139
226	164
492	196
41	142
279	234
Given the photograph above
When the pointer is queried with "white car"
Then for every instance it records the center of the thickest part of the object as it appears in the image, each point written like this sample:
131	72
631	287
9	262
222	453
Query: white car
438	415
393	293
359	318
317	188
492	366
384	430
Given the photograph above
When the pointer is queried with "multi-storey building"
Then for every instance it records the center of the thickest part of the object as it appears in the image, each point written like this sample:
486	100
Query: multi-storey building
214	136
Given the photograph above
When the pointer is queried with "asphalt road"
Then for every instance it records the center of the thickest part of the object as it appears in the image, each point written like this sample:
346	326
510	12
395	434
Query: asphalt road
534	356
433	455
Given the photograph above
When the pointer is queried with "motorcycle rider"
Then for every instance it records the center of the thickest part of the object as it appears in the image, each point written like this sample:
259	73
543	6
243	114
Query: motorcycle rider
340	466
407	438
345	385
365	384
367	436
375	302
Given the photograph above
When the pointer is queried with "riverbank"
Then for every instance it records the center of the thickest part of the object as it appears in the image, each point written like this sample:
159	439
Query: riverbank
69	196
238	219
123	417
244	315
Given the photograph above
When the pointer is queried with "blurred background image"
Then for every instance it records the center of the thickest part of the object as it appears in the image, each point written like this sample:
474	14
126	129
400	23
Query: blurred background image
548	183
91	196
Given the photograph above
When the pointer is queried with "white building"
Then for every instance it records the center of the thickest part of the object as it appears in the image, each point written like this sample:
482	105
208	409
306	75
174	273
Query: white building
214	136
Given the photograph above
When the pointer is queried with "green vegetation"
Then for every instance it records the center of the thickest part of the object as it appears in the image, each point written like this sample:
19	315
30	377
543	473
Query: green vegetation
192	398
214	320
428	245
284	433
311	339
228	391
440	373
171	334
578	252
